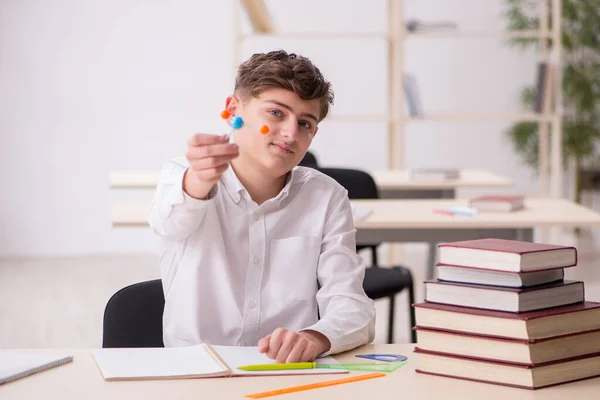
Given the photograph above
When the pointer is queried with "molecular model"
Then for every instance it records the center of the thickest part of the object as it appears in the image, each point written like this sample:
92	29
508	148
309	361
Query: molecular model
237	122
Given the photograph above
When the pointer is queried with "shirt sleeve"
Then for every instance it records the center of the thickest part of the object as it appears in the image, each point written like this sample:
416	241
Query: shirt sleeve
347	314
173	213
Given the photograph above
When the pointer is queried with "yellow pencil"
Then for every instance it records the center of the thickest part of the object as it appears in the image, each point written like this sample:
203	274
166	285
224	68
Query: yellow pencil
300	388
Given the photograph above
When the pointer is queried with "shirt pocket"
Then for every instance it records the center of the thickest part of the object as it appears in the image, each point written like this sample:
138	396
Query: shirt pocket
292	269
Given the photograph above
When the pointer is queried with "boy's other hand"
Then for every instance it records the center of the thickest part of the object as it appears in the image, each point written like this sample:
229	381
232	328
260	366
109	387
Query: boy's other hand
285	346
208	156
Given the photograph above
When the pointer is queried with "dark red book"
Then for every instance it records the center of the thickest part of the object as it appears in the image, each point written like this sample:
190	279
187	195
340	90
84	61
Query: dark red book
505	298
517	351
481	276
507	255
509	374
540	324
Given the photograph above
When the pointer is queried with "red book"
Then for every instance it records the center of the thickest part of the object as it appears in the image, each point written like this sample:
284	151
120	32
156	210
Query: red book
539	324
518	351
508	374
452	273
505	298
506	255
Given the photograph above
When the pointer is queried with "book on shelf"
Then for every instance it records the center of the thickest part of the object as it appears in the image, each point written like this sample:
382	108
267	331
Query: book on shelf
480	276
411	92
519	351
489	203
501	298
543	87
201	361
507	255
508	374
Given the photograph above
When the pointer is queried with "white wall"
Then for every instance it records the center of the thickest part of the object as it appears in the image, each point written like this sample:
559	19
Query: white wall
88	87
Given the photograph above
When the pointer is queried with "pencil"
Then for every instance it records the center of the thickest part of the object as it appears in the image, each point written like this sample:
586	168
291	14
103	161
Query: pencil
309	386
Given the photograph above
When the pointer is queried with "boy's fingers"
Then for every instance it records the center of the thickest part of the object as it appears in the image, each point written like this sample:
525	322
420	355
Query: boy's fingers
213	150
287	344
275	342
310	352
297	351
263	344
200	139
211	162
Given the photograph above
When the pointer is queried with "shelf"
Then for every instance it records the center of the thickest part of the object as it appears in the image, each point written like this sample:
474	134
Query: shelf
479	34
482	117
318	35
439	34
458	117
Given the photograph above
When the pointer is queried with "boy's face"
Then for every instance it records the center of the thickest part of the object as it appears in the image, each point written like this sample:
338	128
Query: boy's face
292	125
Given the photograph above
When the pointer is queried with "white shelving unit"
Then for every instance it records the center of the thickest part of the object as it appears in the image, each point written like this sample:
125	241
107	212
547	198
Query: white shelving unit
550	157
550	160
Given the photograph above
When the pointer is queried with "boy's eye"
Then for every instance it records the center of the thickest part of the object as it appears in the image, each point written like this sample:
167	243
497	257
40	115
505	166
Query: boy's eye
305	124
276	113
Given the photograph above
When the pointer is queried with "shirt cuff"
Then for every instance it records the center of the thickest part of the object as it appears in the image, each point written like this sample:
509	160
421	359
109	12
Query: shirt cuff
192	203
179	201
321	327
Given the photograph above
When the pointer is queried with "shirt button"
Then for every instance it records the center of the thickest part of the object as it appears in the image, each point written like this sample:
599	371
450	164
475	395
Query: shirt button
256	260
252	304
256	217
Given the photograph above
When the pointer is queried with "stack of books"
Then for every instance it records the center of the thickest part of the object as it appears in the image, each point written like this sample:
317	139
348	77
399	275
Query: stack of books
501	312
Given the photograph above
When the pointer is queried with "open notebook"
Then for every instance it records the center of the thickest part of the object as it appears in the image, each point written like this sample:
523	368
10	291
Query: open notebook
202	361
15	365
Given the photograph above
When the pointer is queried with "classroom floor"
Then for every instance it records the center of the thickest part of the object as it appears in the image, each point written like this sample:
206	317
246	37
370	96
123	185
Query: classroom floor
58	303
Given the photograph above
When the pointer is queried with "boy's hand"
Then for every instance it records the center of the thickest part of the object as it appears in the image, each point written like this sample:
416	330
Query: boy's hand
285	346
209	157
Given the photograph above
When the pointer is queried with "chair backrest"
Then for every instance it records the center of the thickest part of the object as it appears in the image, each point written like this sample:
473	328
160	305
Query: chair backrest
133	316
359	184
309	160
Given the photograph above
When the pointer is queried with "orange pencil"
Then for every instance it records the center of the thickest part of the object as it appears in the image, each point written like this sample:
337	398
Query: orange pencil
300	388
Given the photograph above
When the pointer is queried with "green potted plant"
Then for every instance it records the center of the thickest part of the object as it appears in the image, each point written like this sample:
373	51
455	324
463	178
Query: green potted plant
580	83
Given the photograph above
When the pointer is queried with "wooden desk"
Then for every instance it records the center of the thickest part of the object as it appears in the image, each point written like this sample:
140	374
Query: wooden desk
391	183
406	221
82	380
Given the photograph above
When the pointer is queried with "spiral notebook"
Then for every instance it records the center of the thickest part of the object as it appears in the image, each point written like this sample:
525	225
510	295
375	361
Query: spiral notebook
14	366
202	361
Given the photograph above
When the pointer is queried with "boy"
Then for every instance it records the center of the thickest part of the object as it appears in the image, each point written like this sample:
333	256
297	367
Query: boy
257	251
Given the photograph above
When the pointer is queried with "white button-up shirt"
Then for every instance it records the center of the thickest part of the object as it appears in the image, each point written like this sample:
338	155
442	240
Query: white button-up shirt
234	271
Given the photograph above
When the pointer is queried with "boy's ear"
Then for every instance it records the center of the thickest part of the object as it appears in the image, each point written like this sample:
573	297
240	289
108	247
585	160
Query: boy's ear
232	104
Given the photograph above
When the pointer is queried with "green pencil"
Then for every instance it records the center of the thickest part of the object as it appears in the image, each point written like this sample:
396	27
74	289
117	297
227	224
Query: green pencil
383	367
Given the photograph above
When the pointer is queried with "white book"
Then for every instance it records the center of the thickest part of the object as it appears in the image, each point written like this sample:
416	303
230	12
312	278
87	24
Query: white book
16	365
482	276
202	361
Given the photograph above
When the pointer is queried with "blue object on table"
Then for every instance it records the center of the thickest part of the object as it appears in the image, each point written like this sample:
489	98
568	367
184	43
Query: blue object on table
383	357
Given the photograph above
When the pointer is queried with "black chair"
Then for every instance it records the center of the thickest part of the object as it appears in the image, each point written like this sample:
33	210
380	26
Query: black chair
309	160
379	282
133	316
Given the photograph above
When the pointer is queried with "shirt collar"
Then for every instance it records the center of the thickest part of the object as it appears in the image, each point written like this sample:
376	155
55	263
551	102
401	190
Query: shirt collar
235	188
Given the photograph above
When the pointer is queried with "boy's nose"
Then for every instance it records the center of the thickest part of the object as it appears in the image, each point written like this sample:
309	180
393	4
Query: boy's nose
290	130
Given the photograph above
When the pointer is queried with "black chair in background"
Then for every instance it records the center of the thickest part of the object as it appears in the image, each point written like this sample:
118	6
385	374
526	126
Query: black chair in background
309	160
133	316
379	282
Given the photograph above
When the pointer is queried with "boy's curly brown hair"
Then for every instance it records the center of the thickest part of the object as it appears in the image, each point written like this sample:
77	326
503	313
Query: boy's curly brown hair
279	69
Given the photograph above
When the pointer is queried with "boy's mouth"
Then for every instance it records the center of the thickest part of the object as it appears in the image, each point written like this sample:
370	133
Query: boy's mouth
282	147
